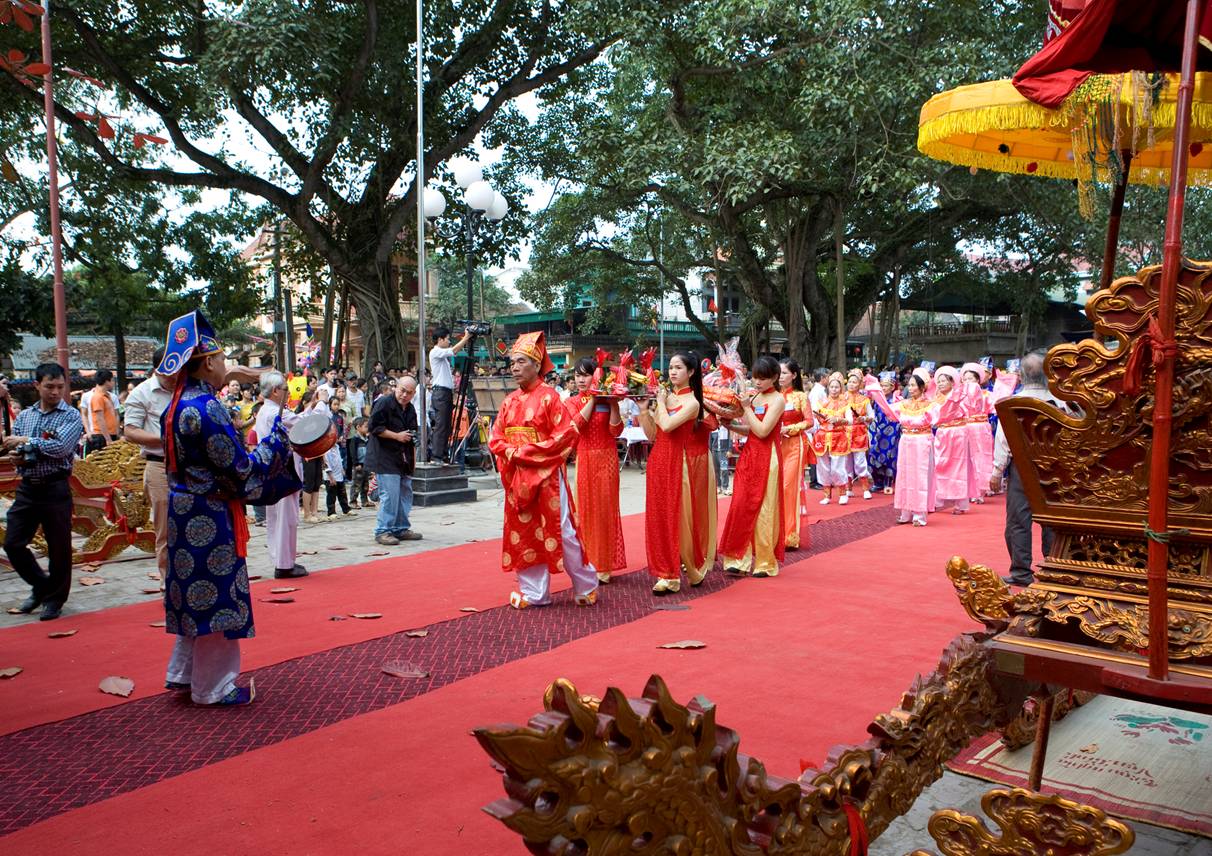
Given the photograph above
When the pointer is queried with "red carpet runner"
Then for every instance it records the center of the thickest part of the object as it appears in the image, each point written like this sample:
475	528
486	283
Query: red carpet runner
50	769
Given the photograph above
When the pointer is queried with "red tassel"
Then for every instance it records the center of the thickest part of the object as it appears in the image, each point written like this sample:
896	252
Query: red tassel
170	447
239	525
1148	344
859	839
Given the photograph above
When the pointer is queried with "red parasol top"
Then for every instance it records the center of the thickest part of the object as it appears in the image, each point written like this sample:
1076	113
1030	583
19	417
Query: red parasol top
1112	37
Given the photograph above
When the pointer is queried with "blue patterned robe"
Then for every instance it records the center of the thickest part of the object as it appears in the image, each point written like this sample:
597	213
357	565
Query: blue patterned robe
207	589
885	435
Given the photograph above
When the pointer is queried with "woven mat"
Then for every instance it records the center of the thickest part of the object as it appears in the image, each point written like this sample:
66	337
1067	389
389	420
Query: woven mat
1133	760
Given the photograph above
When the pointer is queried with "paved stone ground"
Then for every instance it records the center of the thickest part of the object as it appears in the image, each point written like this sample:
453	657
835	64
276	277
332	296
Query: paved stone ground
133	571
908	833
446	526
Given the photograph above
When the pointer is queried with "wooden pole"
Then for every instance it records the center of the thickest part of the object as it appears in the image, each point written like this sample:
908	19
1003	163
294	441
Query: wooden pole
838	225
52	160
1159	465
1046	702
1111	248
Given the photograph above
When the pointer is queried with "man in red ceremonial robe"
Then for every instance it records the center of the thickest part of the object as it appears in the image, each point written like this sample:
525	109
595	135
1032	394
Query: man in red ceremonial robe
531	439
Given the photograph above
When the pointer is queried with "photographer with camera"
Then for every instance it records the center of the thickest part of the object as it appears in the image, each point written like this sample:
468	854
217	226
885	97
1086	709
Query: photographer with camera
442	401
42	447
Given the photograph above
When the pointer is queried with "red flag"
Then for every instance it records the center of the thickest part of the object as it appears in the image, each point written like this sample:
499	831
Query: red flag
711	307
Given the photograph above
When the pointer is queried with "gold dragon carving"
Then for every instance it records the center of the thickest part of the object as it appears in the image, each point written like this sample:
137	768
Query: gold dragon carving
1029	824
116	473
1099	460
651	775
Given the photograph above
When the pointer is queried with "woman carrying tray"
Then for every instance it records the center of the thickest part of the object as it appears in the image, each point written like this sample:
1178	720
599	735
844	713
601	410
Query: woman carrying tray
680	520
599	425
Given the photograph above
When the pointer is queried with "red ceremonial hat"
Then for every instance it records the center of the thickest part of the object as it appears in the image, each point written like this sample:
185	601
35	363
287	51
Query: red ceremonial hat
534	345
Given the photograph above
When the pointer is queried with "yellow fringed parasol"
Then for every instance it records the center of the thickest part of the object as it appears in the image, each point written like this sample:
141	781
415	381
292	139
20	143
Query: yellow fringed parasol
991	126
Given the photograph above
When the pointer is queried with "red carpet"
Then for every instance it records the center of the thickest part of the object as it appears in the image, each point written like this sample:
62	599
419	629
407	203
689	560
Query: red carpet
352	759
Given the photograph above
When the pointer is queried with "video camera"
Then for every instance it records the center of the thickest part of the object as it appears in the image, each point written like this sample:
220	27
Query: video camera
28	453
475	328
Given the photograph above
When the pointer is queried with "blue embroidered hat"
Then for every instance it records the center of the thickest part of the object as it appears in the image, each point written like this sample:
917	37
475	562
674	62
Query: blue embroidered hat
189	336
888	376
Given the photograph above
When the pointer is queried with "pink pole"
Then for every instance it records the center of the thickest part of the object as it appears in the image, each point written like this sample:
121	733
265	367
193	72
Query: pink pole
52	157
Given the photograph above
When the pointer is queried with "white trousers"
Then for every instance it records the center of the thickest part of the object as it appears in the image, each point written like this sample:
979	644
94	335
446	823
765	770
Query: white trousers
856	465
831	470
535	582
210	664
282	528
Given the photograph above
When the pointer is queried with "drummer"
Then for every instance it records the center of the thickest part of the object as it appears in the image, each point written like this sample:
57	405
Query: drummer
281	518
211	475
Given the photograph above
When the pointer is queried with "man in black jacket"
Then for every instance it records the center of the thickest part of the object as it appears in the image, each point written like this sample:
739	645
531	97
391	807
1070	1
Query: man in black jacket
391	455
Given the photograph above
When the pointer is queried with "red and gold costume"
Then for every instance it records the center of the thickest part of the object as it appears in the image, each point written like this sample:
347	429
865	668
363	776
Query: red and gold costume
832	439
860	412
598	485
753	539
680	518
531	439
798	421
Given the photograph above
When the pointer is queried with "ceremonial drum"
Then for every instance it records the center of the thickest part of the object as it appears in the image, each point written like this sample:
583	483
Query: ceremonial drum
312	436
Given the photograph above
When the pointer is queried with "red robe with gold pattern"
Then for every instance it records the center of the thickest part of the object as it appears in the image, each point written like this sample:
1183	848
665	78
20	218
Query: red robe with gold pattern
531	438
598	485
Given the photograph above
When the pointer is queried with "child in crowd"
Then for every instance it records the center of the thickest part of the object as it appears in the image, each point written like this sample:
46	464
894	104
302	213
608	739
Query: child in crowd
360	488
334	483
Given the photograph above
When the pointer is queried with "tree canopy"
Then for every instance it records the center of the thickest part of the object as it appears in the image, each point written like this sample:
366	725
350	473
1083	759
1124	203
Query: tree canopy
309	107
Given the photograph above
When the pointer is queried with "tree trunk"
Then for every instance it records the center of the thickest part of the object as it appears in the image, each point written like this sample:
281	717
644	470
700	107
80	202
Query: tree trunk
378	303
328	356
120	358
341	348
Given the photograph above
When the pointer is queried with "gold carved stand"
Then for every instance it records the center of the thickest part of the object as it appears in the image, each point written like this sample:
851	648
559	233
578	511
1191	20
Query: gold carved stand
110	507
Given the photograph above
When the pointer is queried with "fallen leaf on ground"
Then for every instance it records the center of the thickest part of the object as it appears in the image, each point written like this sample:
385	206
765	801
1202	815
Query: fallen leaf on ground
672	607
338	547
405	670
11	672
283	589
156	624
90	566
416	634
115	685
91	581
1093	747
305	552
468	609
12	610
277	600
152	575
379	553
447	523
61	634
151	591
366	615
254	576
685	643
336	618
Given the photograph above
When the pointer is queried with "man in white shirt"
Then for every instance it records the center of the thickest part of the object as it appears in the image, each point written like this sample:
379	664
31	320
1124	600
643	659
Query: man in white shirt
818	393
281	518
356	397
141	425
1018	510
442	390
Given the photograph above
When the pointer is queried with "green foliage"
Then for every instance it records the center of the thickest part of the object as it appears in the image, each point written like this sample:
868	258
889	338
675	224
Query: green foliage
746	126
25	305
488	298
325	92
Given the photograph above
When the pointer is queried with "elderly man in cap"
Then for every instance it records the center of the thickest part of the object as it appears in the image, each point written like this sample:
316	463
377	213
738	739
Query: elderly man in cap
210	477
531	439
281	518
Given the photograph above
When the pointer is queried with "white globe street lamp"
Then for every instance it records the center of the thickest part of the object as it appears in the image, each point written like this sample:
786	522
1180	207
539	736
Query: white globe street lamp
467	173
435	203
479	195
499	207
